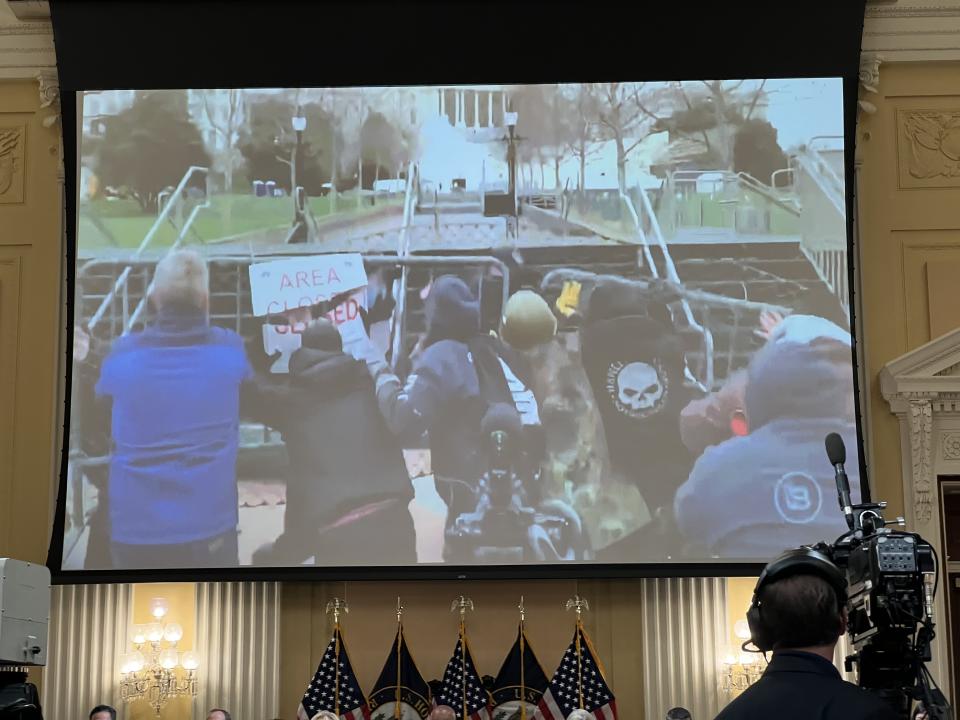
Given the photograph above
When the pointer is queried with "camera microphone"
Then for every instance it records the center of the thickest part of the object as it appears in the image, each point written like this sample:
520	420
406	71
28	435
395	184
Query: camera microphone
837	453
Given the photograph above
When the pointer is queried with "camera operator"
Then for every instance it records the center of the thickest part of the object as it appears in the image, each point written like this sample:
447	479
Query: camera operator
798	612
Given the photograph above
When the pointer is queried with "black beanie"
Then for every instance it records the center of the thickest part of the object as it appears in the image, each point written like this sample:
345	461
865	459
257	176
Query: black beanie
322	334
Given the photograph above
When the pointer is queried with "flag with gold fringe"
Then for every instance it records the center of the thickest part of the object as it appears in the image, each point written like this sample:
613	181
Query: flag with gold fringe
520	684
400	693
334	687
462	687
578	684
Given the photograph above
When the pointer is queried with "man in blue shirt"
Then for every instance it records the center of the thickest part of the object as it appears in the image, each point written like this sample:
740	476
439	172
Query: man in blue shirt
175	393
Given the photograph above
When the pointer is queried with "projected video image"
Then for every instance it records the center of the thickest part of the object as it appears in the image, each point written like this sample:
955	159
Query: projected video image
362	327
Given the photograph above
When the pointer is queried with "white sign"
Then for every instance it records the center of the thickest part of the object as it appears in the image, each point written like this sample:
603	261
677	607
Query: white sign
286	339
282	285
282	339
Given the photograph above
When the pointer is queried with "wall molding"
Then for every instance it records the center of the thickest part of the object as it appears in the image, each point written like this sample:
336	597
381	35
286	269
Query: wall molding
913	31
923	392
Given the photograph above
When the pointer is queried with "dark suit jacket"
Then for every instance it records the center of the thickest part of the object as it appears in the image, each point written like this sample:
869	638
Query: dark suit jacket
802	686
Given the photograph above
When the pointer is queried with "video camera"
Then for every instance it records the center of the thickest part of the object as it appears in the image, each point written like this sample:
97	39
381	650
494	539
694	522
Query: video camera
24	603
891	582
504	527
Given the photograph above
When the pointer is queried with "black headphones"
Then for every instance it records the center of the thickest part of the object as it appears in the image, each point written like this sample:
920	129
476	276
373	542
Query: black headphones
802	561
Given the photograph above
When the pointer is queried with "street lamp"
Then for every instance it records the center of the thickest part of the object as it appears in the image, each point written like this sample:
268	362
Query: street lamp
510	118
299	125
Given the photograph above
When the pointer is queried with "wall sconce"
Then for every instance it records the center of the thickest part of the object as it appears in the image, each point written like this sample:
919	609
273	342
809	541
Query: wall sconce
156	670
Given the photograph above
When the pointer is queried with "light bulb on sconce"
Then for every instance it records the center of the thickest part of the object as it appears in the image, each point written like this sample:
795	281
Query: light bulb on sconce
190	661
730	659
172	633
154	632
138	634
159	607
137	661
169	659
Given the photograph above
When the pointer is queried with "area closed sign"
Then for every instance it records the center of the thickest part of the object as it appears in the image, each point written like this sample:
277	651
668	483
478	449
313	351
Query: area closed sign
281	285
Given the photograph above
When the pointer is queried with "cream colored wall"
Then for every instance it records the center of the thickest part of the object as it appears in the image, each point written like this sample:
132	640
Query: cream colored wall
30	262
909	237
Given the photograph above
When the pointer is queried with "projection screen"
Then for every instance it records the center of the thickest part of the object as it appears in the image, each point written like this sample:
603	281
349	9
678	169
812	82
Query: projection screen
458	326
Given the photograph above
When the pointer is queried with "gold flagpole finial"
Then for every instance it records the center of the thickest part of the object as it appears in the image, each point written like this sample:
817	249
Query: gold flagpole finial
462	604
337	606
578	604
522	609
399	610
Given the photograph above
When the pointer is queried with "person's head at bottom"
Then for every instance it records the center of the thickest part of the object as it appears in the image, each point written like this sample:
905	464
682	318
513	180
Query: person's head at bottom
103	712
218	714
678	713
181	284
802	612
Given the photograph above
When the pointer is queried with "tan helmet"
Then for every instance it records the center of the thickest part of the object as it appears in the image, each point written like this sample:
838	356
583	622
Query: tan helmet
528	321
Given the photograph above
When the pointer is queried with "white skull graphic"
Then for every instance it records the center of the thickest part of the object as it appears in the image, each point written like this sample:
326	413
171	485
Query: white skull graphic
639	388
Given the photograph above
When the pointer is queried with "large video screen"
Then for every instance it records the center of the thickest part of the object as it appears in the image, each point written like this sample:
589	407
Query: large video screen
472	325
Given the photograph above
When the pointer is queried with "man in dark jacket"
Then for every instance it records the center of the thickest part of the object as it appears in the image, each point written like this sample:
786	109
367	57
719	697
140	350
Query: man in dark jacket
460	373
774	487
347	486
802	617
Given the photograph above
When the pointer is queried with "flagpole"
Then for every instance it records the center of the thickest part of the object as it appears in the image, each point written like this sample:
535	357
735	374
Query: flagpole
336	606
396	705
463	604
579	604
523	682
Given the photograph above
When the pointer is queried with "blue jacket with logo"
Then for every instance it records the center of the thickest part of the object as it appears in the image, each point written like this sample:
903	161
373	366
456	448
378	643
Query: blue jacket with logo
751	497
175	392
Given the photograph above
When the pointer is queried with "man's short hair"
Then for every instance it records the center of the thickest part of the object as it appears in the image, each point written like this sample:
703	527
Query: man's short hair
181	278
801	611
678	713
226	715
106	709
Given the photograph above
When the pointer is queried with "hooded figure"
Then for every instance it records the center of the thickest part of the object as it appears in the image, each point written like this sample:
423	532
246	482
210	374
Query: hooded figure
774	488
459	374
345	465
635	363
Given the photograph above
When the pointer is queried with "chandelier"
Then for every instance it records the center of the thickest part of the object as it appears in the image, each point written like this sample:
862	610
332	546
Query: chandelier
156	670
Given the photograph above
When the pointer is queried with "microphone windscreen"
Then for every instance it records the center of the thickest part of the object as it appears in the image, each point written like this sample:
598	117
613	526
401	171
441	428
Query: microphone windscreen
836	450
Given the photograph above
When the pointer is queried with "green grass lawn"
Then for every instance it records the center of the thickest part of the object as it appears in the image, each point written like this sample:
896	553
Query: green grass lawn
228	215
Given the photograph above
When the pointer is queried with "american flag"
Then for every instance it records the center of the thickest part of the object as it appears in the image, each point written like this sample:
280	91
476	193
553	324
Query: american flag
460	680
333	681
578	684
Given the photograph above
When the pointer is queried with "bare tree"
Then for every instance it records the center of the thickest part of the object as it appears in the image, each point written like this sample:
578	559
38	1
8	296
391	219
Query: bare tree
622	115
581	130
226	115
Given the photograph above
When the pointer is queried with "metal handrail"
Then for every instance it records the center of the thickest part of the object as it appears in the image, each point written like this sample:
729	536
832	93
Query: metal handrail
130	321
671	273
775	173
751	183
161	218
824	176
638	226
410	202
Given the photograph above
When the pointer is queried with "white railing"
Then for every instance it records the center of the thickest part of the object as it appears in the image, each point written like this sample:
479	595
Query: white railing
121	285
670	270
410	201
